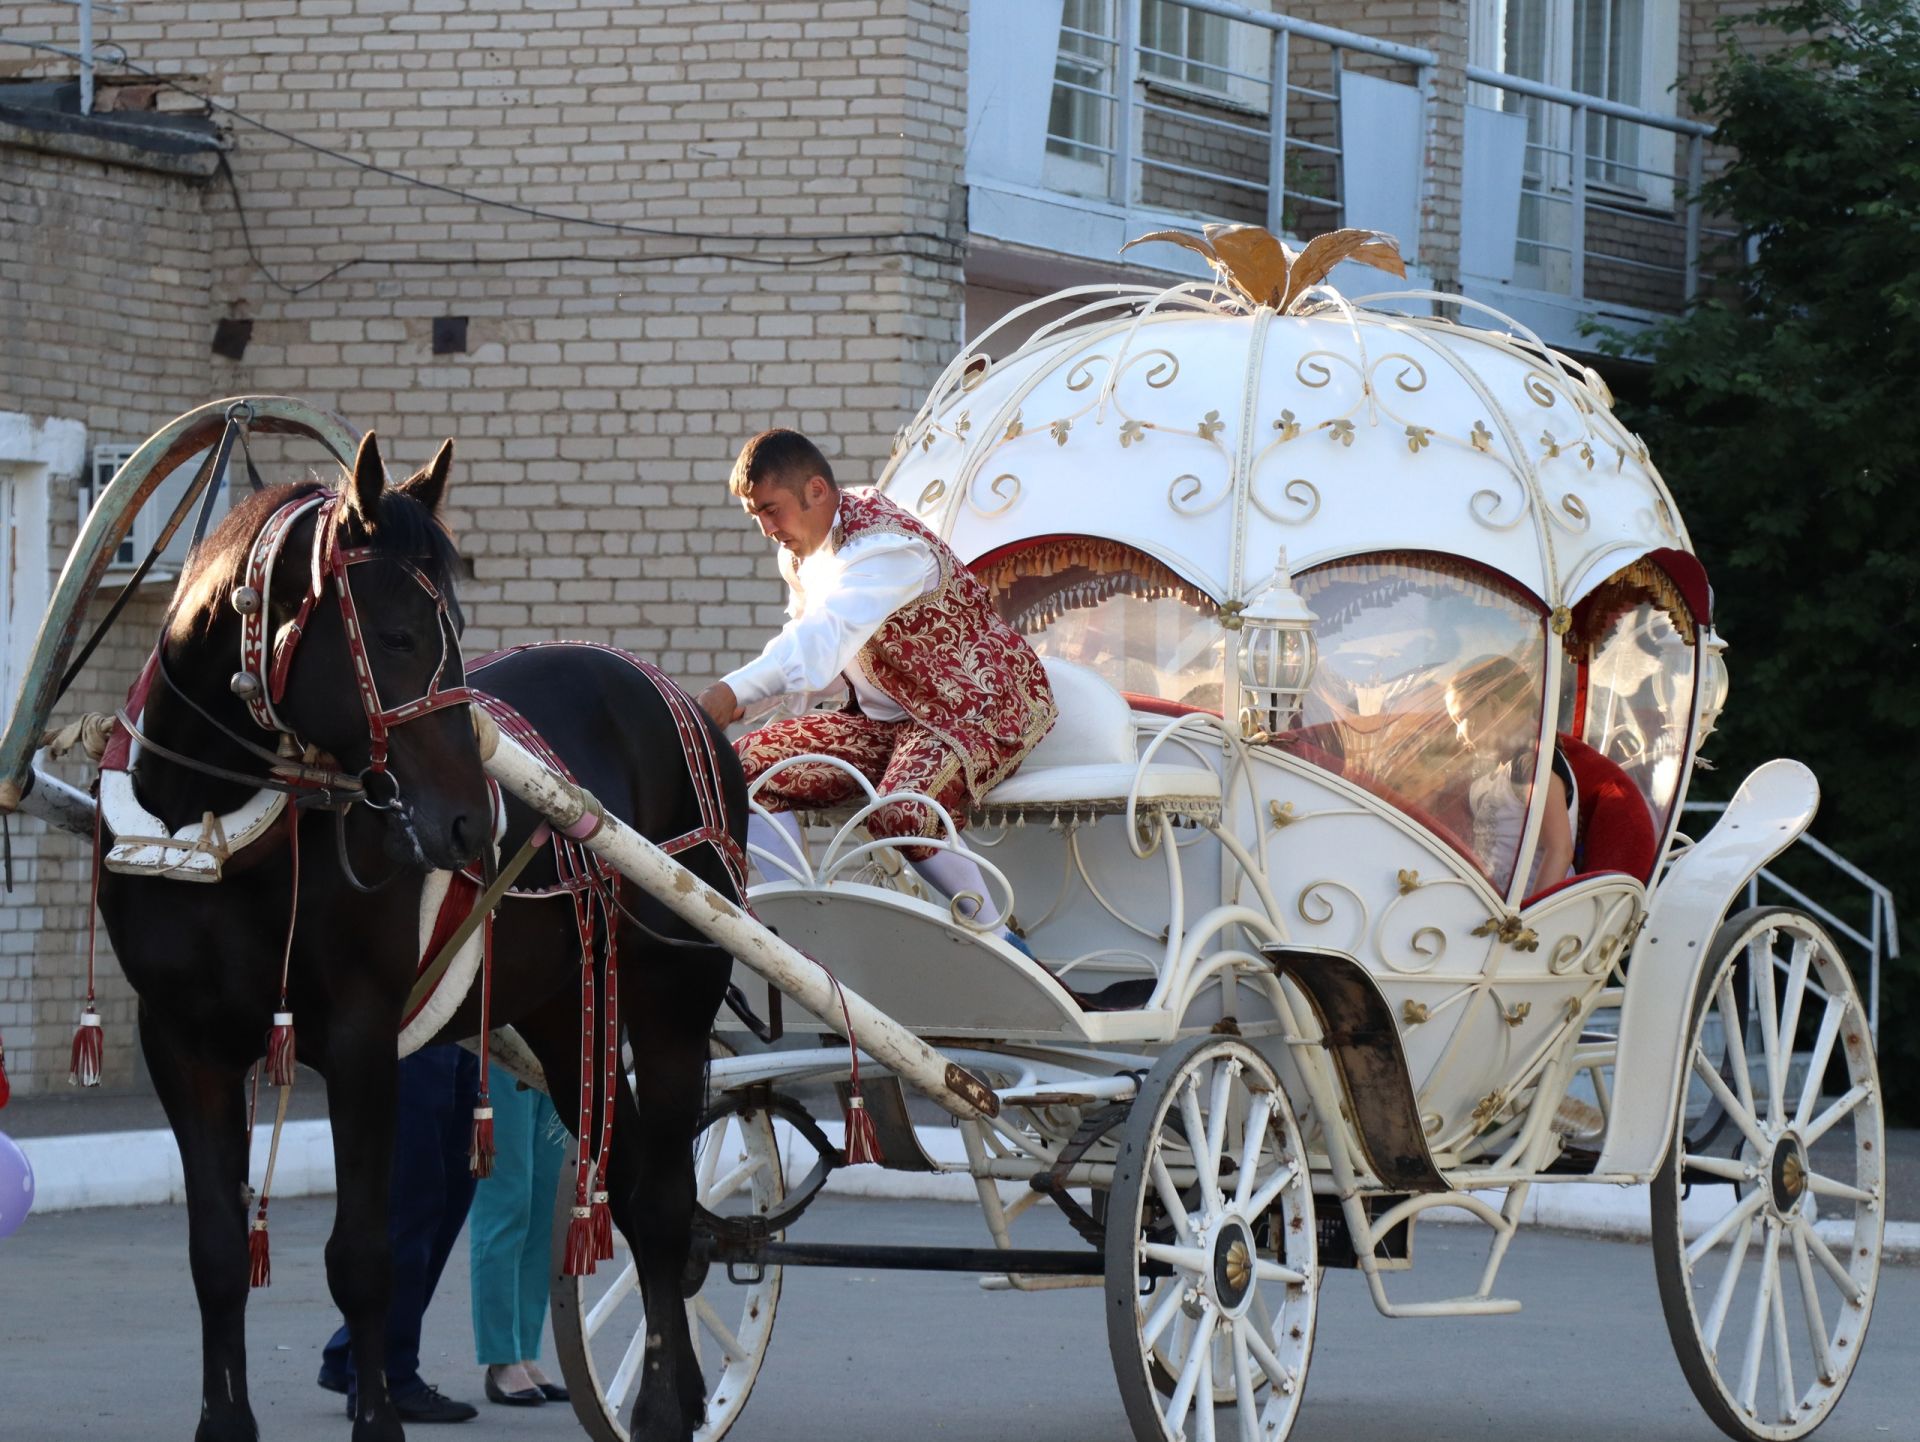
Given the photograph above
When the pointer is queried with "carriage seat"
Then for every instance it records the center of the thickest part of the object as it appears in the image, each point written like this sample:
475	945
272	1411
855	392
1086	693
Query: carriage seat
1089	762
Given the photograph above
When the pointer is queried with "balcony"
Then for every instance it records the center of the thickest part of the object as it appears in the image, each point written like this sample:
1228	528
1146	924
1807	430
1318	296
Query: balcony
1094	121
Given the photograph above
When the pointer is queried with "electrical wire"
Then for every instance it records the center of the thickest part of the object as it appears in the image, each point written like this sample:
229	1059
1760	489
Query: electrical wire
823	255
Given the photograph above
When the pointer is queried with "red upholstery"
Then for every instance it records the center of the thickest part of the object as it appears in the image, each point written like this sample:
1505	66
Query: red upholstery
1616	829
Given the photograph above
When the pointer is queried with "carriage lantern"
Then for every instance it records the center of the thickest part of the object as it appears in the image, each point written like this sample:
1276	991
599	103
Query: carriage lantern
1277	654
1713	685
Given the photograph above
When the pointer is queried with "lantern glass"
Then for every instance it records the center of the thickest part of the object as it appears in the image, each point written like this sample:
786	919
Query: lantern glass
1714	685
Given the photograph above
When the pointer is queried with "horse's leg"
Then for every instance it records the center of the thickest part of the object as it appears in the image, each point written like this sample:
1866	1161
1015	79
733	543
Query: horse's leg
362	1085
668	1002
206	1108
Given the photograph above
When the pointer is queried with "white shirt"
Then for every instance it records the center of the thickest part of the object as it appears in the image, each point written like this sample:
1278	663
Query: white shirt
847	594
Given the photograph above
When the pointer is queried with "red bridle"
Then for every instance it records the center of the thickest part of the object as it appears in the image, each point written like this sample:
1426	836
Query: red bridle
266	664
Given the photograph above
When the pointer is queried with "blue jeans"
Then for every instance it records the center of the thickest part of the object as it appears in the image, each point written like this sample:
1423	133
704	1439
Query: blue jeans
432	1189
512	1226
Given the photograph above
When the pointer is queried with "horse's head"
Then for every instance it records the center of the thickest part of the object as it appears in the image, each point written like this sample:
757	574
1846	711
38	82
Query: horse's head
364	613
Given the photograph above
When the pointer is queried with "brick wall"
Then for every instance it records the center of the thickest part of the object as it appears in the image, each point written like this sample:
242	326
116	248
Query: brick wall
610	374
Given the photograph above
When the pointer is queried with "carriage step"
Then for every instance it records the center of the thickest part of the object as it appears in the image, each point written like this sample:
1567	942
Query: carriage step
1455	1307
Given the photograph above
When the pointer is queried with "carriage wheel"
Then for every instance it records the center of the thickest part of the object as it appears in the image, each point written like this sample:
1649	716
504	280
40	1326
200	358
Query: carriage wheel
1769	1304
599	1322
1210	1180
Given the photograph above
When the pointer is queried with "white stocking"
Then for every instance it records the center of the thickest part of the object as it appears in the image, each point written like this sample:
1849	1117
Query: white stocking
955	873
780	837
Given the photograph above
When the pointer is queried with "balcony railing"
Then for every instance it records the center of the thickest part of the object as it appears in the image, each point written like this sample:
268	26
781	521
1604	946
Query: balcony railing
1603	197
1205	107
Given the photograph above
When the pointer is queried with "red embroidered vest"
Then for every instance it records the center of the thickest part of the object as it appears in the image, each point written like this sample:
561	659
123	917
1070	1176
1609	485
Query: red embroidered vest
948	659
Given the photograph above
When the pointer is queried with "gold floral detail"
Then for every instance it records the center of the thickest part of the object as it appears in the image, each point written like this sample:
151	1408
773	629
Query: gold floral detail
1267	271
1482	437
1419	438
1131	431
964	424
1560	621
1341	431
1211	425
899	440
1488	1108
1060	429
1409	882
1517	1013
1553	446
1572	1007
1014	428
1281	812
1287	426
1586	453
1510	929
926	440
1414	1012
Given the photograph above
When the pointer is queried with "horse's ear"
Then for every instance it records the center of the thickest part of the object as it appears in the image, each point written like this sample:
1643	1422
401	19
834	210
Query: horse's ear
368	481
428	485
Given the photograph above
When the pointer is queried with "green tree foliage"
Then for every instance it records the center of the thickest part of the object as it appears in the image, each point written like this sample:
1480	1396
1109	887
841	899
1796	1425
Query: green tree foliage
1784	412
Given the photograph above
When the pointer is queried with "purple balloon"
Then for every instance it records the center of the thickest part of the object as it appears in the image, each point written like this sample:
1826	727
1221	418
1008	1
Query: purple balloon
16	1185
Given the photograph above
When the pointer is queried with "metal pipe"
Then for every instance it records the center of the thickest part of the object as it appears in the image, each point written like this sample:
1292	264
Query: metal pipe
1126	20
1307	30
64	807
1577	242
86	57
576	813
1559	95
1695	146
1277	134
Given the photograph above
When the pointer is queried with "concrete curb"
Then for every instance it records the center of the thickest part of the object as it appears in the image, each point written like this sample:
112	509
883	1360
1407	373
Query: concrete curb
125	1169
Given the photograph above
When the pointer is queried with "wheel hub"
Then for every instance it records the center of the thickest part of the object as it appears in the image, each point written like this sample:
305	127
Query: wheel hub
1231	1276
1787	1174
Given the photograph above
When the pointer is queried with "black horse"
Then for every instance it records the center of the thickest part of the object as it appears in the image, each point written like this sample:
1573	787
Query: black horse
205	960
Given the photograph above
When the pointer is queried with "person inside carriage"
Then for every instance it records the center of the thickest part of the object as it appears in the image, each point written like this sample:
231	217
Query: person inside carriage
941	696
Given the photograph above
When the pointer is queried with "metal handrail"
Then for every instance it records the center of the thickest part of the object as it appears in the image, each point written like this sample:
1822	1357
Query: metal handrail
1307	30
1881	939
1599	105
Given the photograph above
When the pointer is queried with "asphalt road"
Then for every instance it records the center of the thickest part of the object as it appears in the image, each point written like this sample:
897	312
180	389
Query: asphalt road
99	1339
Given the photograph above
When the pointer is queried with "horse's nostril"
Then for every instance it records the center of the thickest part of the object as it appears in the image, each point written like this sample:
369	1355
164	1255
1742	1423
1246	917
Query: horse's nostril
462	831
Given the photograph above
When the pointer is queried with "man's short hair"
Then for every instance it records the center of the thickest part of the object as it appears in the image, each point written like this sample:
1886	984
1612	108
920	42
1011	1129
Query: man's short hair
783	456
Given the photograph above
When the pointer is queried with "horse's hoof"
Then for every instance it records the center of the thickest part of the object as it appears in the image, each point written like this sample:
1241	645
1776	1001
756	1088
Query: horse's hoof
227	1429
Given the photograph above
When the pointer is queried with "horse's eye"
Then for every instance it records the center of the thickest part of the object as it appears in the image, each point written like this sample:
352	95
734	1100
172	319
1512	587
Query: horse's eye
401	641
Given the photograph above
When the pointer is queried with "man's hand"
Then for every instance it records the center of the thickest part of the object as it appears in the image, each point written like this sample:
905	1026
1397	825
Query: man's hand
718	702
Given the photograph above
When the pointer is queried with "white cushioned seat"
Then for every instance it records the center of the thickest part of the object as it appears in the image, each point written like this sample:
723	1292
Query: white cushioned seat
1089	761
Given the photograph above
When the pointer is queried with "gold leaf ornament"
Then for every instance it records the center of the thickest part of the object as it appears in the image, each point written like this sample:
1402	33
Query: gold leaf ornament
1341	431
1060	429
1288	426
1211	425
1418	438
1482	437
1131	431
1014	427
1270	273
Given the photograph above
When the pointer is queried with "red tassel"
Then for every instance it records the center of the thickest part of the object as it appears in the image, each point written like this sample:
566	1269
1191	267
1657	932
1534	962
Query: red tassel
5	1090
863	1143
480	1154
89	1050
280	1050
259	1266
579	1259
602	1228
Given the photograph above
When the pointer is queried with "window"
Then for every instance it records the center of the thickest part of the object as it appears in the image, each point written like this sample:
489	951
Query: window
1080	122
1428	694
1640	702
1184	46
106	461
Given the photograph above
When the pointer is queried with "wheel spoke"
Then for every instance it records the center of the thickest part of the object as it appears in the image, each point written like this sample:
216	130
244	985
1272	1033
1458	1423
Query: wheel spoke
1817	1060
713	1143
1164	1311
1252	1147
621	1387
1188	1259
1243	1388
1170	1201
1205	1162
1203	1397
1258	1203
1731	1169
1270	1364
704	1314
1219	1107
1266	1271
605	1304
1841	1276
1717	1233
1183	1390
1782	1359
1740	1115
1756	1331
729	1184
1823	1186
1834	1114
1810	1300
1790	1002
1735	1033
1762	970
1723	1294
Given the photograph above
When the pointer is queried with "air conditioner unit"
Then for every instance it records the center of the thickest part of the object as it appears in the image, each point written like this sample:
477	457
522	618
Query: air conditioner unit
147	525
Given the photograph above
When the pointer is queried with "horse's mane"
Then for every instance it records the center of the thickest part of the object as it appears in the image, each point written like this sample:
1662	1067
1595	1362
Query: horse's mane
406	528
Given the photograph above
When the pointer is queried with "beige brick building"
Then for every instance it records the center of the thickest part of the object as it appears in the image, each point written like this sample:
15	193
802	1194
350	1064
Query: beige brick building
667	226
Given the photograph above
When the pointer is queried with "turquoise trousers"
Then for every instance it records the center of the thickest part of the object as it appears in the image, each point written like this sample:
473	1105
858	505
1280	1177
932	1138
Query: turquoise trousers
511	1225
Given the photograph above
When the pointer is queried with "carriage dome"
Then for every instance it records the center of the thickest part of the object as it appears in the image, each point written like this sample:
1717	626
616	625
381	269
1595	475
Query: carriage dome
1456	504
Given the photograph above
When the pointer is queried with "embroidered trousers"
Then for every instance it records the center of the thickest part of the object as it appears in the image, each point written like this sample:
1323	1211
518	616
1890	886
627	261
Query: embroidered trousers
892	755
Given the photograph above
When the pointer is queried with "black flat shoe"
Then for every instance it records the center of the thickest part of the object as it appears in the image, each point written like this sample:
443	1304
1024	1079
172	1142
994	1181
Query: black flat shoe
554	1393
525	1397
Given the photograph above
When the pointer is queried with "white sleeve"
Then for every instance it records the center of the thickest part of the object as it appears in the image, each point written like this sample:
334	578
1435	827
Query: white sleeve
815	647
